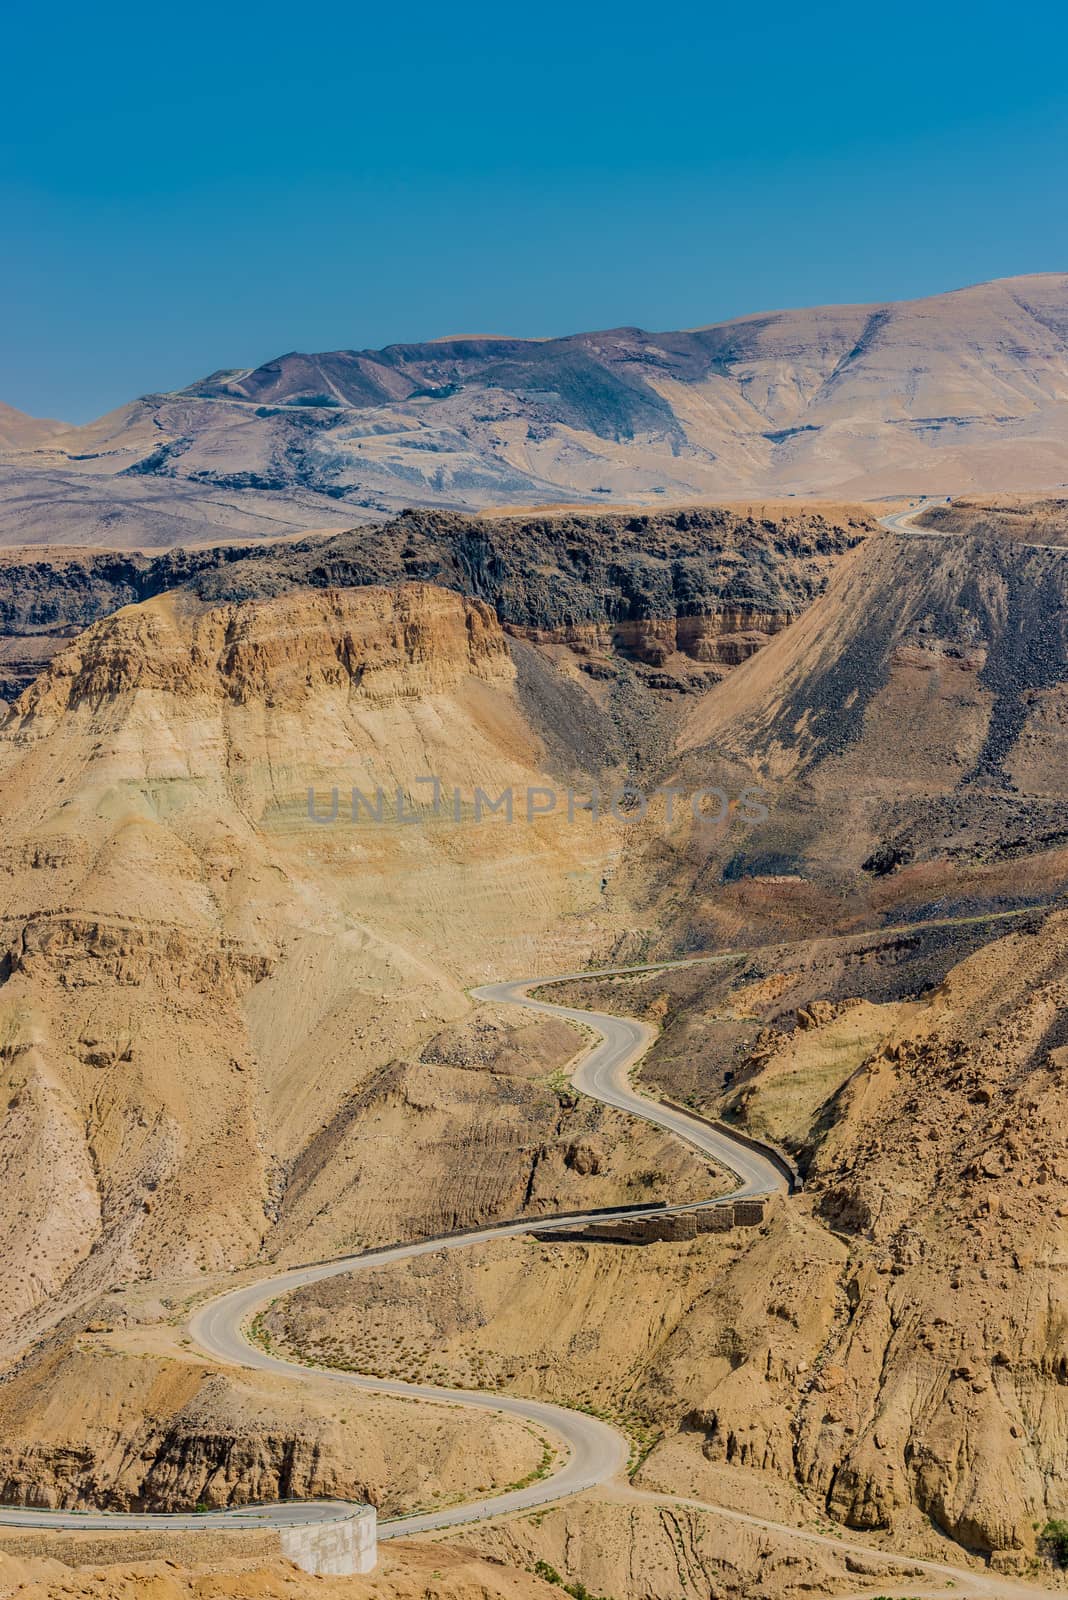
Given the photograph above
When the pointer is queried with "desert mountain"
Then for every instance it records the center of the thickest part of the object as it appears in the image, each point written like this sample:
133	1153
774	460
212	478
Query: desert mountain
957	392
931	667
20	432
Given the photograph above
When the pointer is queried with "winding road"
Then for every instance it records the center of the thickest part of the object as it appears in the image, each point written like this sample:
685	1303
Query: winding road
602	1074
593	1452
904	521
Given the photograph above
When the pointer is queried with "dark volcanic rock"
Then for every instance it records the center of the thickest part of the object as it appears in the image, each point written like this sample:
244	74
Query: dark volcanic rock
561	575
886	859
590	581
46	599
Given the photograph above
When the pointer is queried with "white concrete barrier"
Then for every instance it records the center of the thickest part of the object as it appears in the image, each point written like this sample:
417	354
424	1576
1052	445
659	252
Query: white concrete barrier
344	1545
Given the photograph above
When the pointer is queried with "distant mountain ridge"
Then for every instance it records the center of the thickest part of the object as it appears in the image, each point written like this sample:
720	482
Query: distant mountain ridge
958	392
607	381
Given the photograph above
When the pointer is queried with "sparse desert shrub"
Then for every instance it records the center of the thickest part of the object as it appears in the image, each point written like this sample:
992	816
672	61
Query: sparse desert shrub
1053	1541
577	1590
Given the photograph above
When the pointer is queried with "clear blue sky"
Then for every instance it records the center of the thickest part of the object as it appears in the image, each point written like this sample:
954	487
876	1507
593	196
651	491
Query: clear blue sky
191	187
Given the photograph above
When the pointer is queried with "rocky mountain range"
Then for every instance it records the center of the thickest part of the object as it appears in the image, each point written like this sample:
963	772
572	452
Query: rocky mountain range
962	391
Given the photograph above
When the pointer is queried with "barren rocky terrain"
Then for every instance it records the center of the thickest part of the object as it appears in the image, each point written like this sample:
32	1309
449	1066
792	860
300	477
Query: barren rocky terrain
1023	517
232	1035
694	590
959	392
216	1009
198	1572
125	1416
890	1346
518	1561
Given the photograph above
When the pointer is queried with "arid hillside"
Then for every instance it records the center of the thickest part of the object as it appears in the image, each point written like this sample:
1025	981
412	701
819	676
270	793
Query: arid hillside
197	1567
959	392
1023	517
20	432
632	1552
228	1028
908	733
888	1351
124	1416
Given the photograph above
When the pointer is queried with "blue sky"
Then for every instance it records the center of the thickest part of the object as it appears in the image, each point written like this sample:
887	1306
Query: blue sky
188	188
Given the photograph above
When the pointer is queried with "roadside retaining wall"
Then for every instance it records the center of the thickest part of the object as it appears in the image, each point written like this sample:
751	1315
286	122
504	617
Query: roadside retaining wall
764	1147
345	1546
342	1546
254	1547
676	1226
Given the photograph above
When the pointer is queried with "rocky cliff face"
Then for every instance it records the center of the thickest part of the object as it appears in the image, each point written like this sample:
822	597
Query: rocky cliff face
93	1422
937	1154
379	645
710	584
948	1154
694	592
46	601
910	728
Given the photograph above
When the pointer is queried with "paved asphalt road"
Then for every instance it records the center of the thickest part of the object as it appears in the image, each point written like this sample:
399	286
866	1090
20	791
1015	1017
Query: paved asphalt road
289	1514
593	1452
902	521
603	1075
